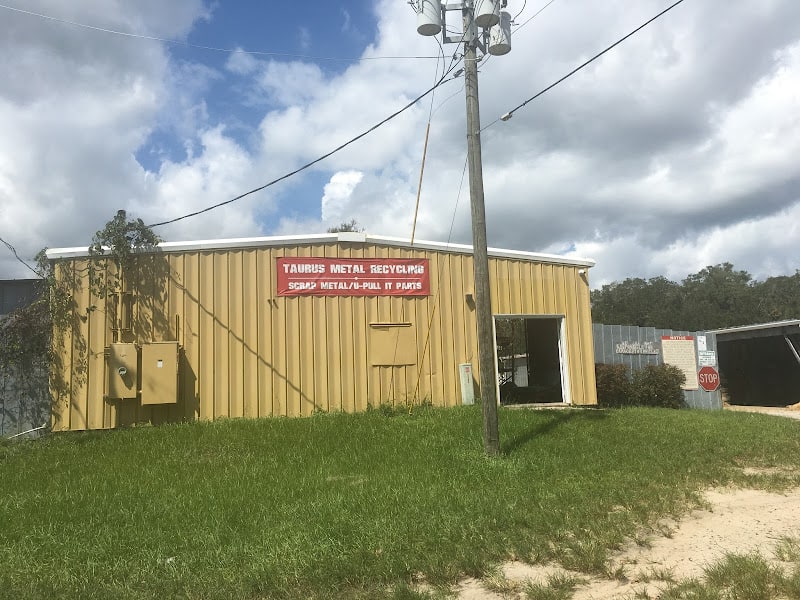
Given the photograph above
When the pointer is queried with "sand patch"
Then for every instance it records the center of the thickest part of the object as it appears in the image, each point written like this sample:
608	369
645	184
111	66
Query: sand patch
738	521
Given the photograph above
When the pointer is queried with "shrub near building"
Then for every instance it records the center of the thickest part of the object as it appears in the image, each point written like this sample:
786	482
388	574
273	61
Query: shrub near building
654	386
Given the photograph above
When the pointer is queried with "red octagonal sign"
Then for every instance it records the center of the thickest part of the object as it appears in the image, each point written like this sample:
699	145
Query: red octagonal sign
708	378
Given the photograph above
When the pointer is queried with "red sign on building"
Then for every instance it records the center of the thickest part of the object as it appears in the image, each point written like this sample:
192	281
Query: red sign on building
318	276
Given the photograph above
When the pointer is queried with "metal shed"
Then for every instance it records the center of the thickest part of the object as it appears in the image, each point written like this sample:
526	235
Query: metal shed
760	364
287	326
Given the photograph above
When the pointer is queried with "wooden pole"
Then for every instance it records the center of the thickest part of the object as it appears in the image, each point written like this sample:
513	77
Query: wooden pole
483	304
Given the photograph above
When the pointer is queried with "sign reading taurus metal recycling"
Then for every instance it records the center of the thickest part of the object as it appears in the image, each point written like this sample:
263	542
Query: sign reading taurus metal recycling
318	276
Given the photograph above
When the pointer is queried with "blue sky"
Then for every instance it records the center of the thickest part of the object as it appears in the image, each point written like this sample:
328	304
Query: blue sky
319	29
336	31
674	151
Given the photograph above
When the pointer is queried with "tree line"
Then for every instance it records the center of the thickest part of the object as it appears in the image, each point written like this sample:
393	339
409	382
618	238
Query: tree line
715	297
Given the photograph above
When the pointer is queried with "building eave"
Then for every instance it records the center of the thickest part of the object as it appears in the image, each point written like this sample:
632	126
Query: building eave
346	237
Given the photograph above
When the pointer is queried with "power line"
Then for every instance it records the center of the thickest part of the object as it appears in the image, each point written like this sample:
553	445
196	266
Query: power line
528	20
521	10
533	16
510	113
208	48
14	252
316	160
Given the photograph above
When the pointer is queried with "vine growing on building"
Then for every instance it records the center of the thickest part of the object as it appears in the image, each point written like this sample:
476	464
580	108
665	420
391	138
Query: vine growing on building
117	244
33	339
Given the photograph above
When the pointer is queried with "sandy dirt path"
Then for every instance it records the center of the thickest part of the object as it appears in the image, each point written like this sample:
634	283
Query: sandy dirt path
739	521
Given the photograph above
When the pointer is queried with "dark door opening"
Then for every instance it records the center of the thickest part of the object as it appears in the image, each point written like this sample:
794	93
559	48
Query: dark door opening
529	360
760	371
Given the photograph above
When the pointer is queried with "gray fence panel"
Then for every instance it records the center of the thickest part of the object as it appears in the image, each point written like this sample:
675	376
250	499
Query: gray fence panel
609	338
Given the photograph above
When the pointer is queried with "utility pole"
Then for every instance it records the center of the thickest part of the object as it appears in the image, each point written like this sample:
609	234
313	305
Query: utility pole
431	16
483	299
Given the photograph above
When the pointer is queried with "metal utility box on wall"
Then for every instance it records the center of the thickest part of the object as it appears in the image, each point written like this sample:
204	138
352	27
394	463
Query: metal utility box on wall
123	369
160	373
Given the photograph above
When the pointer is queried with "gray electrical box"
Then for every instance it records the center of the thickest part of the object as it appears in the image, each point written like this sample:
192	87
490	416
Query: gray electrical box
123	371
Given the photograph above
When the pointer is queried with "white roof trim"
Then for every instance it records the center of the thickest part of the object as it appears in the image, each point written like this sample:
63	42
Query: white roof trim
757	327
342	237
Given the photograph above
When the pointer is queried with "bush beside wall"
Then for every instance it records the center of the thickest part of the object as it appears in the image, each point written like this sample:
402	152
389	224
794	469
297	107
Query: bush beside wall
613	385
654	385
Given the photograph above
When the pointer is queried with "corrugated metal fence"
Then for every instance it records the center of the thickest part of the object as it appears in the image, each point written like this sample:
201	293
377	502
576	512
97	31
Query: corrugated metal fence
638	347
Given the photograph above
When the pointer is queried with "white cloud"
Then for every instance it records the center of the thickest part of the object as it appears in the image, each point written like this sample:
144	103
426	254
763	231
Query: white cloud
347	23
290	84
304	37
242	63
337	194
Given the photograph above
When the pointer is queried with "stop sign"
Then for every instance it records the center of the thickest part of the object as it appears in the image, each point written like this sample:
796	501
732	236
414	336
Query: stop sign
708	378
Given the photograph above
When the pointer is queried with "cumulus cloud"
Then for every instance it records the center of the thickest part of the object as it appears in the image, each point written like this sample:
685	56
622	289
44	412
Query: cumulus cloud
337	193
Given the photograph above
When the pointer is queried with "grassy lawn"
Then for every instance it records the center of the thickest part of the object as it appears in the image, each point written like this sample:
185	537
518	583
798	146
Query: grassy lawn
342	506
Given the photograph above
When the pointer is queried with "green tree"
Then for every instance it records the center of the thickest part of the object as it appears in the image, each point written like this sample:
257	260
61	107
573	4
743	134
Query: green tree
351	225
715	297
652	302
718	296
778	298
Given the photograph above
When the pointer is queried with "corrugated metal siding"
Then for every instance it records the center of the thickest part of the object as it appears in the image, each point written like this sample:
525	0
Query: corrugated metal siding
247	352
606	338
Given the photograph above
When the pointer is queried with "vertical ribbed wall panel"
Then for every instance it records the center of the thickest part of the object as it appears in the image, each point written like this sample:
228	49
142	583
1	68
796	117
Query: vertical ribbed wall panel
329	381
307	323
252	312
236	334
96	325
280	348
61	372
78	391
189	336
219	320
174	412
265	306
205	336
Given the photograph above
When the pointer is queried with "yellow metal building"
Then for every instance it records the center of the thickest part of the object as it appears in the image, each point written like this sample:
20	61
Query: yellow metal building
201	330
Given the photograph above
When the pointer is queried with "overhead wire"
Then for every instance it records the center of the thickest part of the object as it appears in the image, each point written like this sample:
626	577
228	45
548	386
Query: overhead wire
453	62
511	112
309	164
17	256
446	100
175	42
437	295
521	10
419	188
425	145
533	16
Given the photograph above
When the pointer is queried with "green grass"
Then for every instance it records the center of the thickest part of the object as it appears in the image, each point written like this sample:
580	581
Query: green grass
558	587
741	577
356	506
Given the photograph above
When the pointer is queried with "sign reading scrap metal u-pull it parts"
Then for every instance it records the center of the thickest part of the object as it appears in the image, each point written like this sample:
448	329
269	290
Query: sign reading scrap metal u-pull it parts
317	276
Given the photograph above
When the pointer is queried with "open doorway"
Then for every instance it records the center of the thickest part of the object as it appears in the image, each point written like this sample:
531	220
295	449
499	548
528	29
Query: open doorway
530	363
